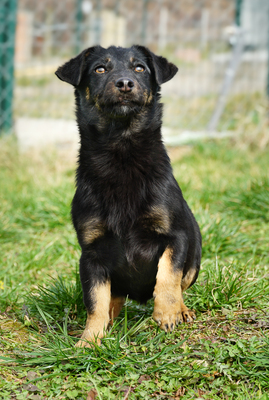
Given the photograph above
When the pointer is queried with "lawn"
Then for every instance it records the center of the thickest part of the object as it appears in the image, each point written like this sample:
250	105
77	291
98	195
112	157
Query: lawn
223	355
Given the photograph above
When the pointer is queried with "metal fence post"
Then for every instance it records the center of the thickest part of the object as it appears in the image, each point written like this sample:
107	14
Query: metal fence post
144	21
8	10
238	9
98	22
79	28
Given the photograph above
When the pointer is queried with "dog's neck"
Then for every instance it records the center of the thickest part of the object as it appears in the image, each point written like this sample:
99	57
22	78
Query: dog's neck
120	138
97	128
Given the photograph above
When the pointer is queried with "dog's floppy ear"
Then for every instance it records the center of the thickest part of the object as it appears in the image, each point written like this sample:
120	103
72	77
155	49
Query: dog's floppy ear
164	70
72	71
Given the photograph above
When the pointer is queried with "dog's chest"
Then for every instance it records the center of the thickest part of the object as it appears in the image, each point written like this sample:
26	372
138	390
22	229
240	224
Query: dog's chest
122	176
124	180
123	161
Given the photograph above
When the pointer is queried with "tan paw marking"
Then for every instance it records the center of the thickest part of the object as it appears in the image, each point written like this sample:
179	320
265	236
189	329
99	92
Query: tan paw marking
88	341
166	315
187	315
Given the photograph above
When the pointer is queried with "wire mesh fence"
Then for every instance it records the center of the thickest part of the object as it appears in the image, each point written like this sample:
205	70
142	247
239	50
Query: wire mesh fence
198	36
7	39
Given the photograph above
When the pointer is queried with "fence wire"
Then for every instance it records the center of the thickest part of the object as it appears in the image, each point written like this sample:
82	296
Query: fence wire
198	36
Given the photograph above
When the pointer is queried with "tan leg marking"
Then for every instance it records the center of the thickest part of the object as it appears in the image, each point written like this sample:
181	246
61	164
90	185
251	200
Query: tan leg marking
97	321
157	220
92	230
169	308
116	304
188	279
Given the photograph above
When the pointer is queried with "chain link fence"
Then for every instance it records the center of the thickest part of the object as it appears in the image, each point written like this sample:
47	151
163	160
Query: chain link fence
200	37
7	40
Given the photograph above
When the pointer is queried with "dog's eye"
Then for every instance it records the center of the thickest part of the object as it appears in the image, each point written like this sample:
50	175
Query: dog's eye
139	68
100	70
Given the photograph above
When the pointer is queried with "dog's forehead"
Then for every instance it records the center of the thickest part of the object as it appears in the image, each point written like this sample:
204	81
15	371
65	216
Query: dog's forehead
120	54
130	54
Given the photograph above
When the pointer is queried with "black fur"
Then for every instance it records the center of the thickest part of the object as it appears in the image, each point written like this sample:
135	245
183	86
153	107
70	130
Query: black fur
126	191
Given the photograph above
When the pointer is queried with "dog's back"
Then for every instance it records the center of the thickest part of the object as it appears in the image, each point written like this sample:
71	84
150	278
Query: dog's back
137	234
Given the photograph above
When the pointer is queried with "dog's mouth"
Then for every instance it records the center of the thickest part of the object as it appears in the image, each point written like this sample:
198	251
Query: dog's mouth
124	102
125	108
121	107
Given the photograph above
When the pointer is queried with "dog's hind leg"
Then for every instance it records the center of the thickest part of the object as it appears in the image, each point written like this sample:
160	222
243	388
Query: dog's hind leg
186	282
116	304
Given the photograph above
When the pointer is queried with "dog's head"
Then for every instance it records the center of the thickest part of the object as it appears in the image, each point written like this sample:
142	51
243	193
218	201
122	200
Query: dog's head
117	81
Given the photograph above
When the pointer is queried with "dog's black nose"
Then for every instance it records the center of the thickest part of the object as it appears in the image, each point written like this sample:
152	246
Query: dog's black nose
125	84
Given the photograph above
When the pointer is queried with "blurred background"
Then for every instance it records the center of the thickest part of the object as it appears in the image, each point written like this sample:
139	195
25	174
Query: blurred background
220	47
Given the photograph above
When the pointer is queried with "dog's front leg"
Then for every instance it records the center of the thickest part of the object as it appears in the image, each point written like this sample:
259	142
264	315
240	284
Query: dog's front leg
169	308
97	296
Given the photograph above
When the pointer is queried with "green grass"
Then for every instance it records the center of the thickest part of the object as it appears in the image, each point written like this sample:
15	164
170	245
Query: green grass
223	355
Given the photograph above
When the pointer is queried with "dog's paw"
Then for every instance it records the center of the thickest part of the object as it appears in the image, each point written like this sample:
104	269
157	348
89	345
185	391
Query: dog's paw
88	344
166	322
187	315
88	340
169	315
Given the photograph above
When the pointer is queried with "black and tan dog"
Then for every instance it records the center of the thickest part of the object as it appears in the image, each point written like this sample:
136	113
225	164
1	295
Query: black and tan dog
137	234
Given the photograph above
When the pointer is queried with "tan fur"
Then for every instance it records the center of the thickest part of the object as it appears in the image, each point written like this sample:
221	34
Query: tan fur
92	230
188	279
169	308
116	304
97	105
97	321
147	96
158	220
87	93
187	315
